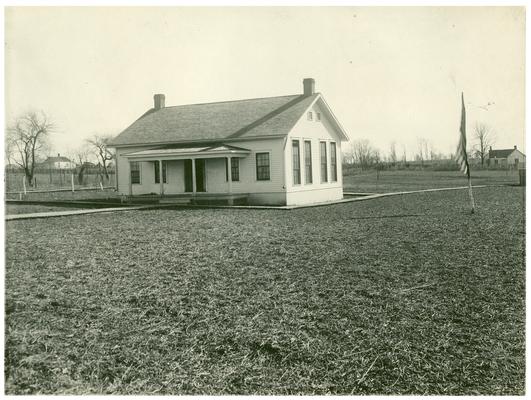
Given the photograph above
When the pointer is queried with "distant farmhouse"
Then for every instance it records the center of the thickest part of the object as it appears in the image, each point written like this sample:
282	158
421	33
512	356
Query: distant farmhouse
88	165
506	157
59	162
278	150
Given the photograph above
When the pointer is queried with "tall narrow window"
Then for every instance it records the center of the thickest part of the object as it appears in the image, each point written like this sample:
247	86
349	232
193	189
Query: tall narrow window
310	116
333	161
135	172
324	166
296	162
234	169
308	162
157	172
262	167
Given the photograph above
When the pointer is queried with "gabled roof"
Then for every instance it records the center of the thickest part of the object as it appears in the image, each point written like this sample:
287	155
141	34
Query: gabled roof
56	159
504	153
271	116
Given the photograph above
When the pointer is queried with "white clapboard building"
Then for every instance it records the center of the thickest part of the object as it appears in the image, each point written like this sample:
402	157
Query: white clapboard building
506	157
283	150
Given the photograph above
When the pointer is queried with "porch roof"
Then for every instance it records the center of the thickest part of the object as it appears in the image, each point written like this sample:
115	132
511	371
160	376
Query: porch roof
179	153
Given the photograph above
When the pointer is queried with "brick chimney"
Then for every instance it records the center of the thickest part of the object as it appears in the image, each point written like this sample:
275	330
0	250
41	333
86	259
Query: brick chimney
159	100
309	86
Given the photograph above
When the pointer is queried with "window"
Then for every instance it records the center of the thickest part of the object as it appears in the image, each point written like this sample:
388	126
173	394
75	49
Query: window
310	116
296	155
234	169
318	116
308	162
324	166
495	162
262	167
333	161
157	172
135	172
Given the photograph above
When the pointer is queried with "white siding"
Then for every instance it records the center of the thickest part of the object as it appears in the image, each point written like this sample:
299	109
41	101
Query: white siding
516	155
215	176
316	132
122	166
248	182
278	190
273	191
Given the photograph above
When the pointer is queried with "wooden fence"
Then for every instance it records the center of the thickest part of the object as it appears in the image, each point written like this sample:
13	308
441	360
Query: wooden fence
57	179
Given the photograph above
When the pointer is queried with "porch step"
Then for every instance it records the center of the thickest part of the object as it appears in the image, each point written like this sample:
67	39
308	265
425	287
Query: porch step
198	199
175	200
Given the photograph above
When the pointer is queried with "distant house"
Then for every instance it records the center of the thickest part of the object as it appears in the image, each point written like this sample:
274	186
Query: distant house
88	165
59	162
508	157
277	150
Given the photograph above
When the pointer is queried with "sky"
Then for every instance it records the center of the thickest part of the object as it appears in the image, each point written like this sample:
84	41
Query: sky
390	74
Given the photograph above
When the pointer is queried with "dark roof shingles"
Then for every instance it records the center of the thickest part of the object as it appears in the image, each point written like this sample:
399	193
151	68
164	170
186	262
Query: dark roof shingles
215	121
56	159
504	153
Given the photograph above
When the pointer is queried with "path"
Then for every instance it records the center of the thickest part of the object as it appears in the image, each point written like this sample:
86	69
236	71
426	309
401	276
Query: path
157	206
50	214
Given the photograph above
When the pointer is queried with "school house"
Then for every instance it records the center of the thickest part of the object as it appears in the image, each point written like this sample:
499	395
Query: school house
283	150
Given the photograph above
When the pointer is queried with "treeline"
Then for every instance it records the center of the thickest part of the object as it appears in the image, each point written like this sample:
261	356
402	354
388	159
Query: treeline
28	146
362	154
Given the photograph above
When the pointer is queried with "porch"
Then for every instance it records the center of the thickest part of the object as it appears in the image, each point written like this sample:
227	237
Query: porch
197	198
186	174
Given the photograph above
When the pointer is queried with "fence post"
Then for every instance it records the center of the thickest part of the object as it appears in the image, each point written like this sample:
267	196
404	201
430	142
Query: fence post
24	183
521	175
72	183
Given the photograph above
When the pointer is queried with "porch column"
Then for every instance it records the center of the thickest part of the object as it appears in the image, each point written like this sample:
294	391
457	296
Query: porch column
193	176
229	173
161	180
130	183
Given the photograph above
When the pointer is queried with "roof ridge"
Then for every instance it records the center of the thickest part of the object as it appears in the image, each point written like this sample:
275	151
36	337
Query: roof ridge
232	101
237	118
269	115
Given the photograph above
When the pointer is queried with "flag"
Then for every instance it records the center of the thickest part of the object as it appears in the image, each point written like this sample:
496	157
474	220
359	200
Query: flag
461	155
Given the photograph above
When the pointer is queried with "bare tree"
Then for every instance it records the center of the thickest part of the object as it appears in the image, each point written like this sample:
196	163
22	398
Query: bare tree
364	154
102	152
80	156
27	138
484	139
392	153
8	152
404	154
422	147
348	154
430	151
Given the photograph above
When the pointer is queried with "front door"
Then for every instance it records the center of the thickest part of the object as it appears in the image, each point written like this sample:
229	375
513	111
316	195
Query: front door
200	175
188	176
200	185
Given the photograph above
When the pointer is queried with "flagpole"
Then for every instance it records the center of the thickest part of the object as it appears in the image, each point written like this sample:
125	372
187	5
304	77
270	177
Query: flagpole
470	193
461	155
